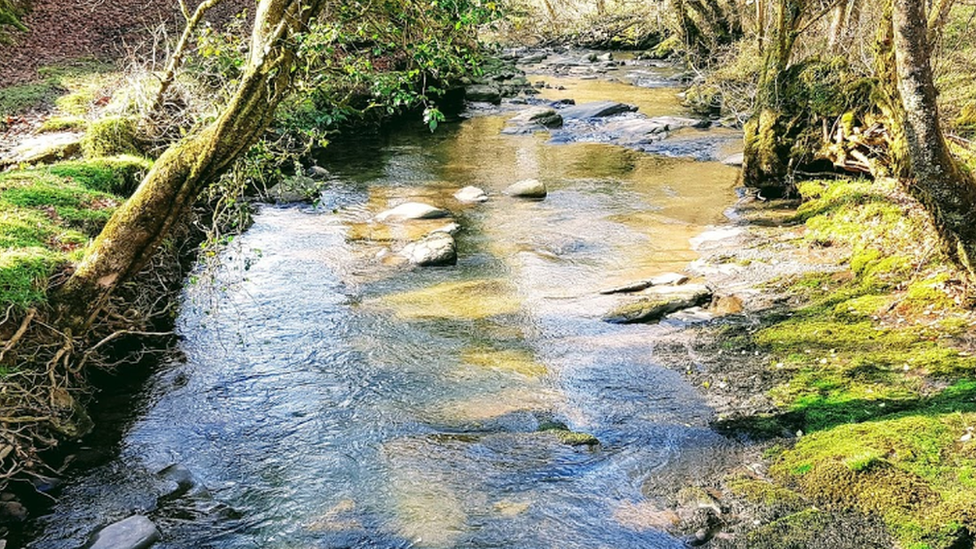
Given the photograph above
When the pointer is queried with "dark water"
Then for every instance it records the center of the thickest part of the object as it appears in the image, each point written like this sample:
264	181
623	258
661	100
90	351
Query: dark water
330	397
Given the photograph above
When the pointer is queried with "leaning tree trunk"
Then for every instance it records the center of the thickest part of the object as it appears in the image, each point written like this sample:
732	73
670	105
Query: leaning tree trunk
132	235
919	150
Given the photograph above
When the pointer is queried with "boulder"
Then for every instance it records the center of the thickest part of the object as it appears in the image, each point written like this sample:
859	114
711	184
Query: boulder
179	482
528	188
469	195
438	248
45	149
135	532
654	308
532	120
483	93
596	109
412	210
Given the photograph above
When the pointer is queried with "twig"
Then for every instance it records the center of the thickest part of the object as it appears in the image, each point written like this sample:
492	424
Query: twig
113	336
19	334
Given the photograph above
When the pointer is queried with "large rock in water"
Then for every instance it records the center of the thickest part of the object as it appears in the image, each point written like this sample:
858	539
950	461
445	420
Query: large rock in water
412	210
528	188
135	532
483	93
654	308
532	120
438	248
596	109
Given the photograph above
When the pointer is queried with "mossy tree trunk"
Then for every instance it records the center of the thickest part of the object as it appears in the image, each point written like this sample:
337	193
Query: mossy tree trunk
766	152
704	25
134	232
920	154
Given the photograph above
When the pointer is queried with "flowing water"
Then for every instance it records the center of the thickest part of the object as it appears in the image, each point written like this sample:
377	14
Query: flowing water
331	398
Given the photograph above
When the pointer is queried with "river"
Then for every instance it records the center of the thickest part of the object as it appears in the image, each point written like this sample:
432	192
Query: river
328	397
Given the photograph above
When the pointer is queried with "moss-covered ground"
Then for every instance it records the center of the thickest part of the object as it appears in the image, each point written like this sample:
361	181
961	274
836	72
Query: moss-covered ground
875	371
47	216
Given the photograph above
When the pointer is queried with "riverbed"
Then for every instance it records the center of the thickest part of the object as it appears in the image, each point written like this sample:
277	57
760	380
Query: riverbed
328	395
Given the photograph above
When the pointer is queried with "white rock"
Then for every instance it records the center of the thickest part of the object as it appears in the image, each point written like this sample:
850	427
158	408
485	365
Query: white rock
528	188
412	210
438	248
470	195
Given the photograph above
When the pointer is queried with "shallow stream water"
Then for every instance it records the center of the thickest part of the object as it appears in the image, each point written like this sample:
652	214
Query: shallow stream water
328	398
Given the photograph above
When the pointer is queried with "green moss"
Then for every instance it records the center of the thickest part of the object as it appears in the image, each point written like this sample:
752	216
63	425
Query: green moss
666	48
119	175
47	216
24	275
111	136
768	495
18	99
911	469
63	124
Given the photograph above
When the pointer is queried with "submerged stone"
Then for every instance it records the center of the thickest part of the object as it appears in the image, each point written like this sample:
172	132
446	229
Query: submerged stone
181	482
467	300
135	532
666	279
507	360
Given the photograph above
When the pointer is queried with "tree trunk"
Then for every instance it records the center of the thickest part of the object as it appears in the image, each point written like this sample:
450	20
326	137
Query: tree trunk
766	154
919	149
132	235
838	26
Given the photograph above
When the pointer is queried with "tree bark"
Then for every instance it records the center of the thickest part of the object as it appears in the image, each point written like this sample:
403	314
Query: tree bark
765	156
131	236
919	150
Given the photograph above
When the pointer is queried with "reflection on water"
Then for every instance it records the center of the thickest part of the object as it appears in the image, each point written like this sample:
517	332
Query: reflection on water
332	400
